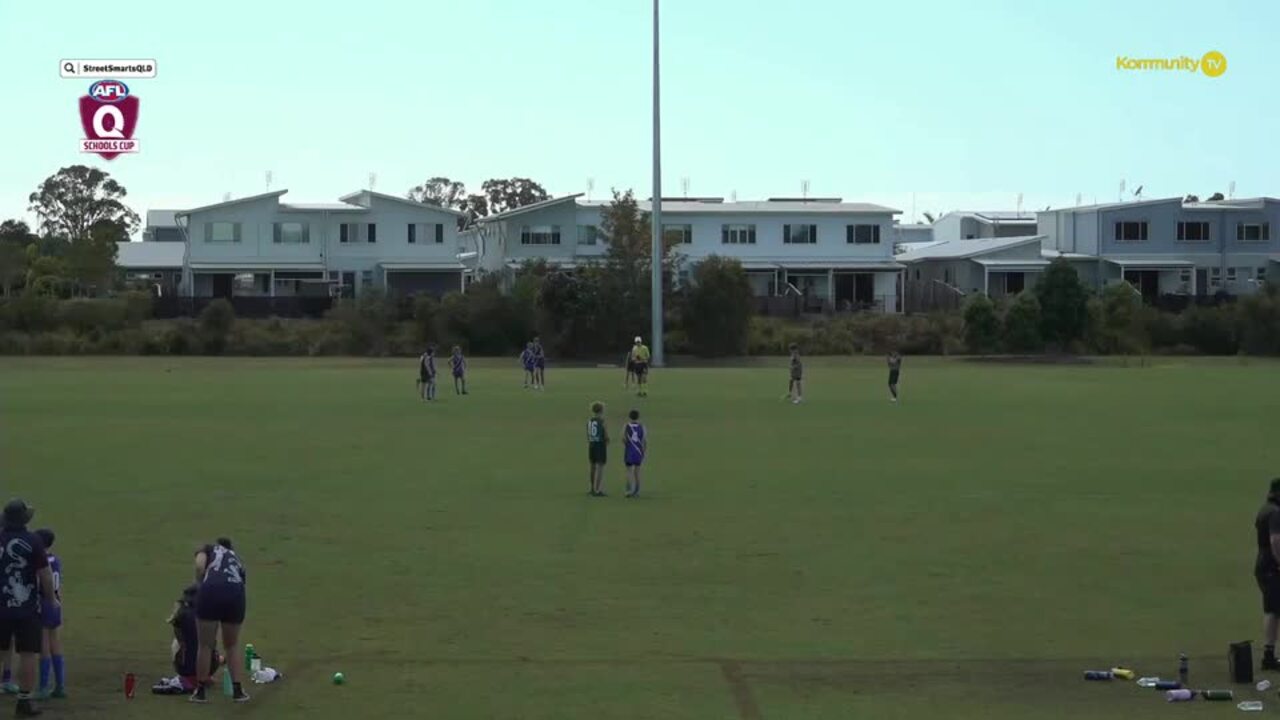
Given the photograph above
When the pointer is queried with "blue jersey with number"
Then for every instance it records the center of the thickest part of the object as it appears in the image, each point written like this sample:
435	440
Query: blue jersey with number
458	364
634	438
222	567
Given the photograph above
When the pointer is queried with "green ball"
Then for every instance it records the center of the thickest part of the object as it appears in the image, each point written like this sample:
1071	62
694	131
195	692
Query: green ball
339	678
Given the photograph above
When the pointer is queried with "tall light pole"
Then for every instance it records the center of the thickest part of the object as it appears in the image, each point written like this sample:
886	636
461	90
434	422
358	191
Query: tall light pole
656	216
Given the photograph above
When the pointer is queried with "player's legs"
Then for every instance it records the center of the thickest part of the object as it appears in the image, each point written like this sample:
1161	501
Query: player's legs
8	667
463	378
27	642
53	639
207	631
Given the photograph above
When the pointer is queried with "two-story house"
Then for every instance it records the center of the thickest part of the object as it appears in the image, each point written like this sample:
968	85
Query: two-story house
1170	246
975	225
259	246
834	252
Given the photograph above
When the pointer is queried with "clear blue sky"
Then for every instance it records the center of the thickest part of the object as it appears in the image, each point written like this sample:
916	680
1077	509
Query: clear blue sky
963	105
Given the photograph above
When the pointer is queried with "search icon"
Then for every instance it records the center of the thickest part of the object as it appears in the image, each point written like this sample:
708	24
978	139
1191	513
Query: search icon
68	68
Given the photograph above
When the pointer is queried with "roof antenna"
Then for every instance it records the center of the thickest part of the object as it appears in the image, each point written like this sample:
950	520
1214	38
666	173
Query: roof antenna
684	187
268	180
1137	194
591	185
1120	197
1231	190
1019	204
373	180
804	189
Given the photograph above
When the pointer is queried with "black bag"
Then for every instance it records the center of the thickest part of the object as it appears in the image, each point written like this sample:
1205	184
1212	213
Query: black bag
1240	662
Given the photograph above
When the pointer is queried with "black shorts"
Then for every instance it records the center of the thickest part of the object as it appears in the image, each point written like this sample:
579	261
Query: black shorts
1269	585
893	377
221	603
25	633
597	454
641	369
795	377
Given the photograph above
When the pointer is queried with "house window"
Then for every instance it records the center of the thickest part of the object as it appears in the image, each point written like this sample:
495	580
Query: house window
1131	231
678	234
946	276
220	232
366	278
1193	231
1215	277
1260	274
291	233
588	234
357	232
800	234
738	234
1185	276
917	273
422	231
540	235
862	234
1253	232
1231	274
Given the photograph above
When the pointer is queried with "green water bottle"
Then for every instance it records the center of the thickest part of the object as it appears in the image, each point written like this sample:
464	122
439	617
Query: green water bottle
1217	695
227	688
249	655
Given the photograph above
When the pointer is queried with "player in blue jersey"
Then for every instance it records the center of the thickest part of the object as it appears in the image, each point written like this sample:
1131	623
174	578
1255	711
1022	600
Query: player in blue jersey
51	619
220	604
458	365
539	365
427	373
637	445
526	362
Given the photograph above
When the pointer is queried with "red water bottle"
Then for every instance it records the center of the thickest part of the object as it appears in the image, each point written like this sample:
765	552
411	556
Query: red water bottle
130	682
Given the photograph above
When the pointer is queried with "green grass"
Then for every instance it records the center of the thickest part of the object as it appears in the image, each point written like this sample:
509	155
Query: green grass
963	554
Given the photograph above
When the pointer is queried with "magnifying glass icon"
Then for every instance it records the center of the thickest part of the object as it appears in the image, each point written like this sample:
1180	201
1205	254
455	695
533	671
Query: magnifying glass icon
69	68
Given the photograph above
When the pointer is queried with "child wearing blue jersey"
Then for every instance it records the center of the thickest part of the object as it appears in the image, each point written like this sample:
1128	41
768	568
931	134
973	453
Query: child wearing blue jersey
539	365
637	445
526	361
458	365
51	622
427	373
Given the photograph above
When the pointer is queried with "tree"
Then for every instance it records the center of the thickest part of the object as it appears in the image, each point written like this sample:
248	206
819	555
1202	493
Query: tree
91	262
981	324
216	321
440	191
15	236
502	195
75	198
1022	323
718	306
1063	304
1121	327
475	206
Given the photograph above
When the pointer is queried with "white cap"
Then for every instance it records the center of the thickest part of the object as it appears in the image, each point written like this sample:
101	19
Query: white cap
638	340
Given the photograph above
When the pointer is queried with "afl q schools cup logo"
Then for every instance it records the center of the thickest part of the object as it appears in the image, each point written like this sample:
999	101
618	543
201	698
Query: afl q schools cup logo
109	116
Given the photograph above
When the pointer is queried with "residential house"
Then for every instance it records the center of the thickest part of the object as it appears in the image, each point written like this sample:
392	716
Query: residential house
975	225
156	266
260	246
941	274
162	226
834	254
1170	246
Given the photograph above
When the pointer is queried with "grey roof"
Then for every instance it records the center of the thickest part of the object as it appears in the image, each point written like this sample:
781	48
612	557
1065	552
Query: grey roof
1150	261
961	249
358	196
234	201
1006	263
1049	254
530	207
162	218
347	207
158	255
762	207
1256	203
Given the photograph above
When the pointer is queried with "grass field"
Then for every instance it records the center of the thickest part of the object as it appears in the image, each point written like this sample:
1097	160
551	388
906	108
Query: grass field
963	554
